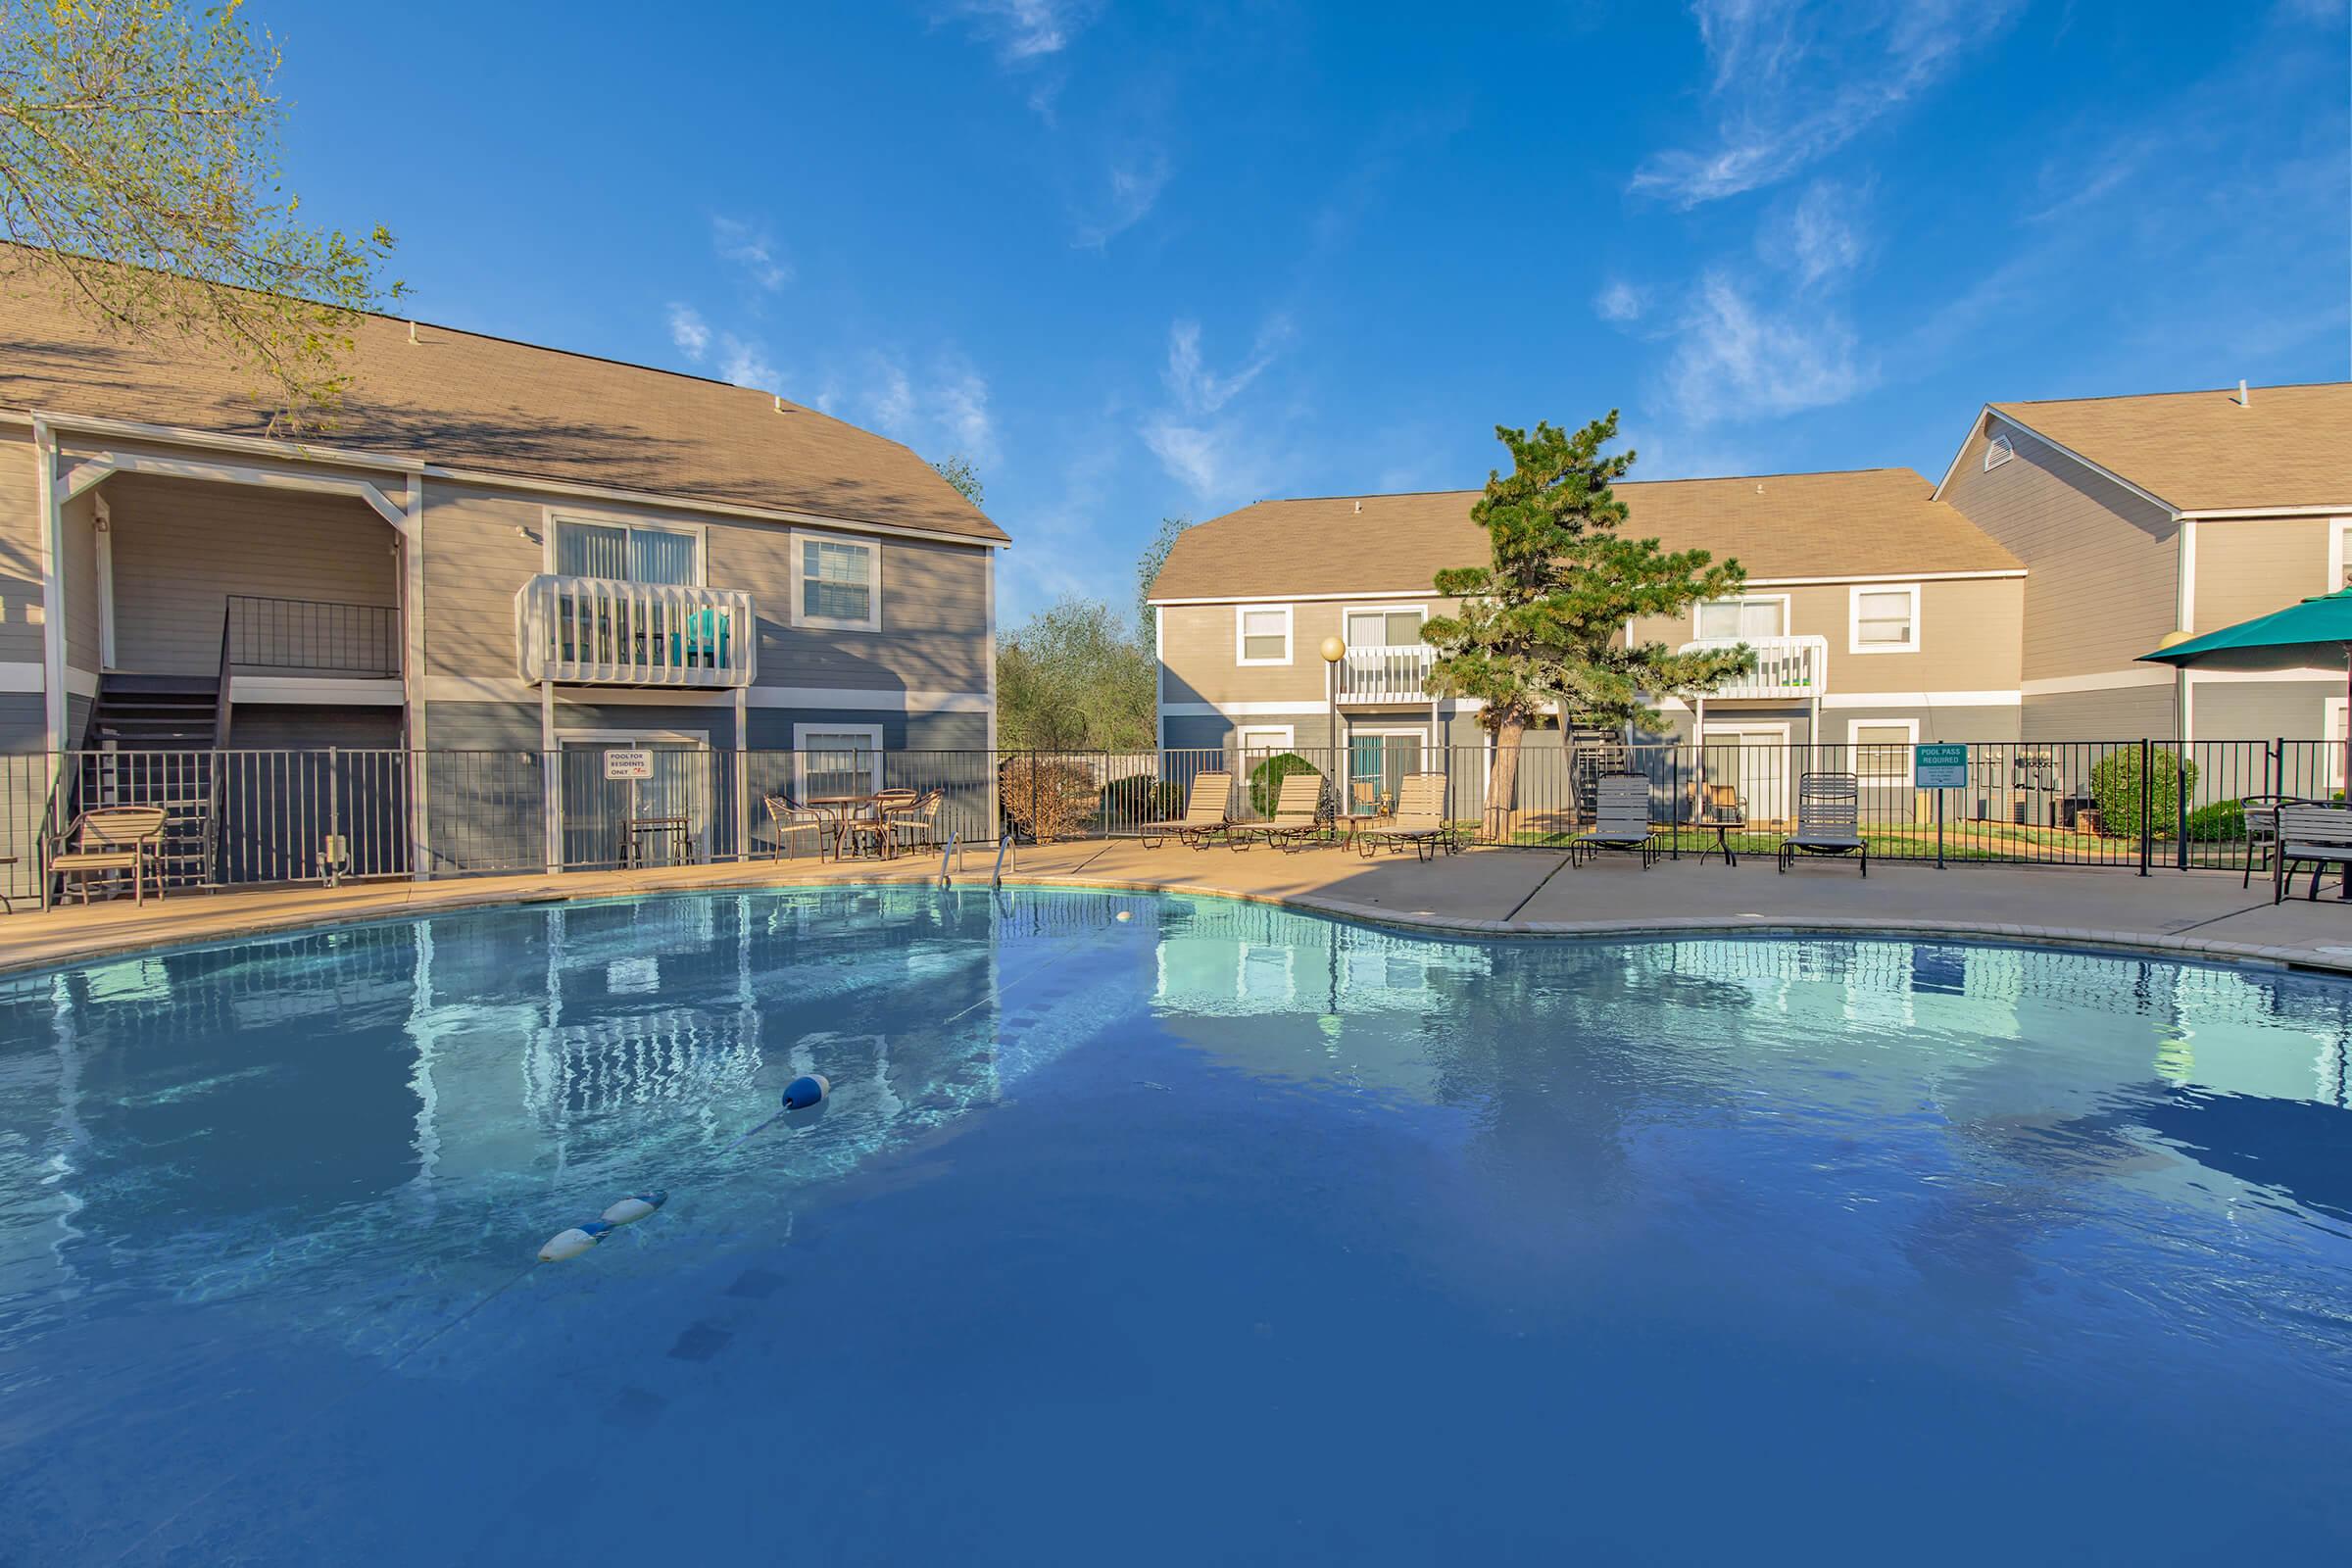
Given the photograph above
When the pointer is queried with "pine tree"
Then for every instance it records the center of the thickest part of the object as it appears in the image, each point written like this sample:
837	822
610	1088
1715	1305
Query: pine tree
1545	620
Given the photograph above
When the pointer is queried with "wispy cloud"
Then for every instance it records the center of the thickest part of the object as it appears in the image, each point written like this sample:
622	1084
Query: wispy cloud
939	411
1819	236
688	331
1735	359
749	246
1024	30
1134	188
1794	80
745	361
1620	301
1216	454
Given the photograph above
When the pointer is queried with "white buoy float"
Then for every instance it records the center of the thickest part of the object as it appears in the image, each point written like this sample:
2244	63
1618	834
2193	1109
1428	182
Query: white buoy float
629	1210
572	1243
805	1090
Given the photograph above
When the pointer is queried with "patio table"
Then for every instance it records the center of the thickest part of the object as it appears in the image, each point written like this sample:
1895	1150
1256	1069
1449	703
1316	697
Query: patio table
635	830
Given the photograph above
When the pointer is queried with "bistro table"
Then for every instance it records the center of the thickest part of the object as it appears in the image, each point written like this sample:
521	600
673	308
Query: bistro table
636	830
851	814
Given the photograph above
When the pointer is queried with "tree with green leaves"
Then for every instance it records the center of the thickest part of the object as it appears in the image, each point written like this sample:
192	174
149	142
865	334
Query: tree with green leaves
1071	678
139	169
1545	620
1147	572
958	471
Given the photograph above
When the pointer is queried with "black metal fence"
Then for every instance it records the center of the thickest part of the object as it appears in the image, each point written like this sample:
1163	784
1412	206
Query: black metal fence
247	817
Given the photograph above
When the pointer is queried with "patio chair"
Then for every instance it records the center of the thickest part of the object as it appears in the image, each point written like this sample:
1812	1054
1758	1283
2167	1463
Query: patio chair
1829	818
2261	816
1419	823
110	840
1297	815
874	825
2314	831
787	820
917	825
1723	809
1620	820
1205	817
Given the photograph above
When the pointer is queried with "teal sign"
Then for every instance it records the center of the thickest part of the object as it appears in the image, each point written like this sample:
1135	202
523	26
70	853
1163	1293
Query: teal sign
1941	766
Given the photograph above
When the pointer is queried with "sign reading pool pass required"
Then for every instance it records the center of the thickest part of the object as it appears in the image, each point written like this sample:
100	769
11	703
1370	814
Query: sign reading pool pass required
630	761
1941	766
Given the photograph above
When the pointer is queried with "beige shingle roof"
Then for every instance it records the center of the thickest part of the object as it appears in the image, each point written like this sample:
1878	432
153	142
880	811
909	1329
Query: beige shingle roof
1869	523
2286	446
514	408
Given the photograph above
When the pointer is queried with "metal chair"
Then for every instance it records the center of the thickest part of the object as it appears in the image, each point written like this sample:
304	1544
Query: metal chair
1828	820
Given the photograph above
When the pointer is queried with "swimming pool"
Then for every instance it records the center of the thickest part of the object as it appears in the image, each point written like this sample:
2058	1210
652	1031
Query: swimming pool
1212	1233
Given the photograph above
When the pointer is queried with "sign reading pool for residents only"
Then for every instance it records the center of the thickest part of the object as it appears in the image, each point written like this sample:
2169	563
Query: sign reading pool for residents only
635	762
1941	766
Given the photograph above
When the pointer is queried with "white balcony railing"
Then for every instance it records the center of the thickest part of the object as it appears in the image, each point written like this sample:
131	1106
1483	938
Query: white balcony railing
1786	666
601	631
1397	675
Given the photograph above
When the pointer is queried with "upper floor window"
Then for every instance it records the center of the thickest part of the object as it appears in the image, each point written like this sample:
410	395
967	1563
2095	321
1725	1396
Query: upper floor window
1262	634
1998	451
1884	621
628	552
1383	628
837	583
1744	619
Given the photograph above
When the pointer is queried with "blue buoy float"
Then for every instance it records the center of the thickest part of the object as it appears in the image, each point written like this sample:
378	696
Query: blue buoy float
805	1090
572	1243
629	1210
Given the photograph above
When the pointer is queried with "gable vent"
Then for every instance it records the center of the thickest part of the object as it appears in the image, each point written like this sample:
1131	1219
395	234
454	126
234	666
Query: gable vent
1998	451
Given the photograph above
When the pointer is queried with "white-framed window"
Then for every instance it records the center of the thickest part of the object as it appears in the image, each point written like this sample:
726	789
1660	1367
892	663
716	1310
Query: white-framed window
2339	556
1998	451
623	549
1256	742
835	759
2336	720
1883	619
1383	625
836	581
1262	634
1747	619
1883	750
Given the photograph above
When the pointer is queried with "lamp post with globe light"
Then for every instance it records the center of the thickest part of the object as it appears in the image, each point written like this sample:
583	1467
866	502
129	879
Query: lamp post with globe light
1334	649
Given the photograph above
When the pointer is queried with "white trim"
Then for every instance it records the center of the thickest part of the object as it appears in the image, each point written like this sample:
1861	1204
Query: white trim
1787	610
2262	677
1284	599
2185	613
2150	497
365	490
801	539
1240	640
51	521
355	457
2106	681
497	689
1241	746
80	682
1982	575
102	525
412	676
799	752
1776	727
1160	680
325	693
1889	577
2257	513
20	677
1304	707
1904	722
2338	528
701	738
1976	427
1853	619
552	517
2331	720
1998	449
1979	698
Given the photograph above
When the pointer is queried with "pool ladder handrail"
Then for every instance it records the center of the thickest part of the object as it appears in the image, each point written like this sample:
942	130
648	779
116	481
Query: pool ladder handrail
945	855
996	878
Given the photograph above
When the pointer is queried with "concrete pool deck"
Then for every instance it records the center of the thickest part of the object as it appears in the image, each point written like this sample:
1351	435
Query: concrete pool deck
1483	892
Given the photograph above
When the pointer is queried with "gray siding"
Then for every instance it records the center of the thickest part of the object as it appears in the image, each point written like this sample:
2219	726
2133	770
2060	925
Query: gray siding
20	548
291	726
2130	713
24	721
80	583
2261	710
181	547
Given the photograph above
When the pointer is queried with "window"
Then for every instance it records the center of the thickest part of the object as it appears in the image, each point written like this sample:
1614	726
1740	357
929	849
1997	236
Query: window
1256	742
1383	628
1741	619
2340	557
1998	451
1884	621
1883	750
627	552
836	582
1262	634
836	759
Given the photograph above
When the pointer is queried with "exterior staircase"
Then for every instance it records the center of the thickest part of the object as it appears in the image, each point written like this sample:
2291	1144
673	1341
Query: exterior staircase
150	743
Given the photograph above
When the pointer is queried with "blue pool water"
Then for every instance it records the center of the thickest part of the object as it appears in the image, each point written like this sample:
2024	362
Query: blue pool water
1215	1233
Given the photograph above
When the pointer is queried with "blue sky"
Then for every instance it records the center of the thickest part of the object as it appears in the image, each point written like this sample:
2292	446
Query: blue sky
1144	261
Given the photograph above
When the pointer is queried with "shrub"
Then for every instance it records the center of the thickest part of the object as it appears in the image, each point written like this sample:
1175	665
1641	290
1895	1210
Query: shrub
1265	779
2221	822
1046	797
1141	797
2115	790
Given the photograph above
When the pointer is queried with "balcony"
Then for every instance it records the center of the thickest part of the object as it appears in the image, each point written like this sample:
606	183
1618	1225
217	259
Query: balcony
602	631
1786	666
1395	675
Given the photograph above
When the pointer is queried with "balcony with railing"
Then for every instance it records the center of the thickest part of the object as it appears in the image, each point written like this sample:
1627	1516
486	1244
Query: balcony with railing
603	631
1397	675
311	637
1786	666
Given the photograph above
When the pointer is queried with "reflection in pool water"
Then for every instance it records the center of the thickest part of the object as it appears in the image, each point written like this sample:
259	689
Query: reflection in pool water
1215	1233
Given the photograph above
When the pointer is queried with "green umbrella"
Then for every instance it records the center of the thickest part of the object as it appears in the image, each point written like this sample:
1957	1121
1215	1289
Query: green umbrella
2318	630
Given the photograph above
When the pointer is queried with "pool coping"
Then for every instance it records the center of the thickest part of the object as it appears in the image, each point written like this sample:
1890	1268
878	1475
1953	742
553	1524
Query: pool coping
421	900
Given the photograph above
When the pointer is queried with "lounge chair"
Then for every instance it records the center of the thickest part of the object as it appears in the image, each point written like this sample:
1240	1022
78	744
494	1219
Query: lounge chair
111	839
1827	819
1205	814
1297	815
2314	831
1620	820
1420	820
